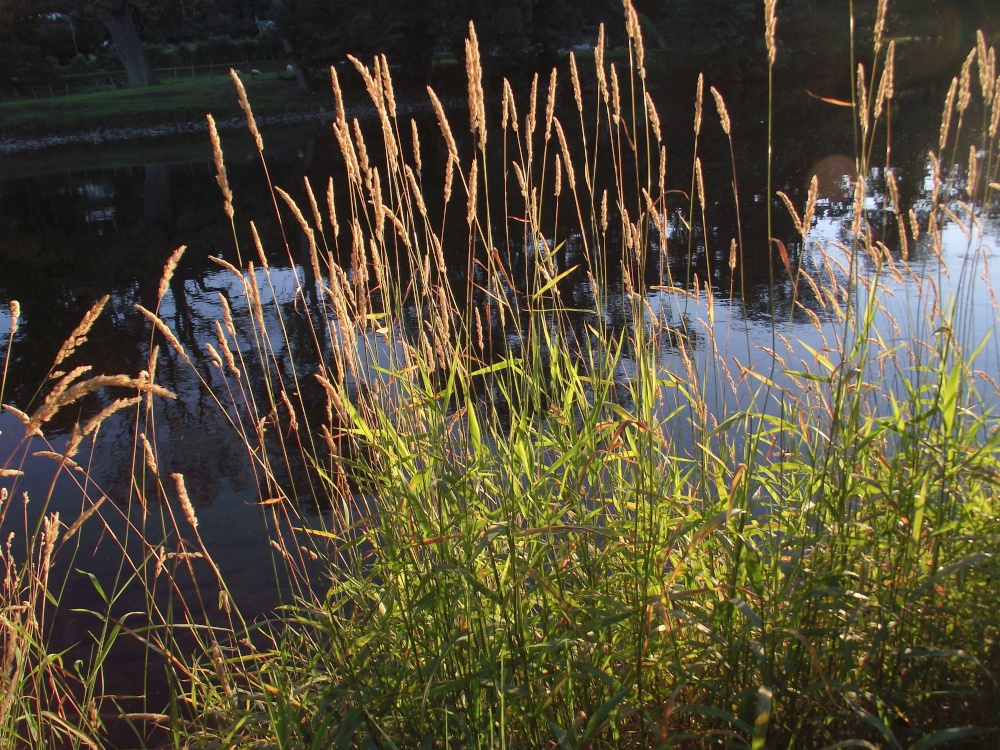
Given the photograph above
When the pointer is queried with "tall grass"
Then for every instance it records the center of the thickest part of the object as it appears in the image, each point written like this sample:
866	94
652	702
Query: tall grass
522	493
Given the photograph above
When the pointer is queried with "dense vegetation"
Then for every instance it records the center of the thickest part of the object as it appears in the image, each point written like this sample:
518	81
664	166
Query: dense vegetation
48	40
547	491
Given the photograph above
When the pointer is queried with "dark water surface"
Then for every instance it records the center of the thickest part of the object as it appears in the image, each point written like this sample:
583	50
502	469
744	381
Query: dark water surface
75	225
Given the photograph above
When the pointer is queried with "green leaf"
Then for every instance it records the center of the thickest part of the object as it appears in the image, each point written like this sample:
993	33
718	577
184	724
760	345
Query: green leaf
948	735
552	282
716	713
764	698
598	719
562	740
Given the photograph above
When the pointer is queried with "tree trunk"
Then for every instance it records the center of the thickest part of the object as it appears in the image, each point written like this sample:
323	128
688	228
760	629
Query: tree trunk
305	83
119	17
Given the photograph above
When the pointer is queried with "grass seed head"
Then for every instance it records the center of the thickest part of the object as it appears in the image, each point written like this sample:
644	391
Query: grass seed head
241	94
168	271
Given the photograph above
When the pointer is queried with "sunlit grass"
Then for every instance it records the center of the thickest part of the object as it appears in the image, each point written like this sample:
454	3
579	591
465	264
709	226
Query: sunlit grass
536	521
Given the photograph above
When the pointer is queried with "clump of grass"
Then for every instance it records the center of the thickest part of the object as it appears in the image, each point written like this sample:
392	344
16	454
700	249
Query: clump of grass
49	698
521	491
538	526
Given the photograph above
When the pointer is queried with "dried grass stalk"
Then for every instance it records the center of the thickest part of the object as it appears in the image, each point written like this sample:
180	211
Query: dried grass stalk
616	99
949	106
166	332
84	517
473	189
654	118
574	76
442	119
168	271
331	206
791	210
567	156
220	167
720	106
387	90
79	335
635	34
241	93
474	72
602	80
338	97
186	505
886	89
698	97
550	105
415	136
862	100
770	27
15	315
880	24
115	406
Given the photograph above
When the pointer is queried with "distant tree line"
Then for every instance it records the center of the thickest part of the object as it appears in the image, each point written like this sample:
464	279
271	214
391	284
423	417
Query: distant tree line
38	37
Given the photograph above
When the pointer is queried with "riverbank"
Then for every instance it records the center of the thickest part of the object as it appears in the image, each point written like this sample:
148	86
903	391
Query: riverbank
177	107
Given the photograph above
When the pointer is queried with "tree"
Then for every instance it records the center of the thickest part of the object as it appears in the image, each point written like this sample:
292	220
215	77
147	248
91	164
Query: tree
122	18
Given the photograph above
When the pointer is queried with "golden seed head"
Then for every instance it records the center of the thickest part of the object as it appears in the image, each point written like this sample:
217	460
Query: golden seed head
575	79
15	314
810	211
220	167
567	159
616	101
550	105
186	505
699	95
635	34
949	106
449	139
965	81
387	90
770	27
862	99
470	213
79	334
654	118
168	271
791	211
701	183
415	134
720	106
880	24
245	106
602	80
474	72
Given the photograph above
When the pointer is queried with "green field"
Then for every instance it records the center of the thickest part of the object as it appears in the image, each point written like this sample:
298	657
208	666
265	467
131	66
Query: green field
183	99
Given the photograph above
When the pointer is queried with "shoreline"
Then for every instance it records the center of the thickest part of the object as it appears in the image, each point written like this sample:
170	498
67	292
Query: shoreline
10	145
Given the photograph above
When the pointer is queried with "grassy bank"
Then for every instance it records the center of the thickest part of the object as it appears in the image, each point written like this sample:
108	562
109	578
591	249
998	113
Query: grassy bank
557	502
179	100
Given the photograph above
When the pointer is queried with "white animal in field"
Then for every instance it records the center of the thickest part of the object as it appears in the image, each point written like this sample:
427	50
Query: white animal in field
254	73
239	73
289	68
